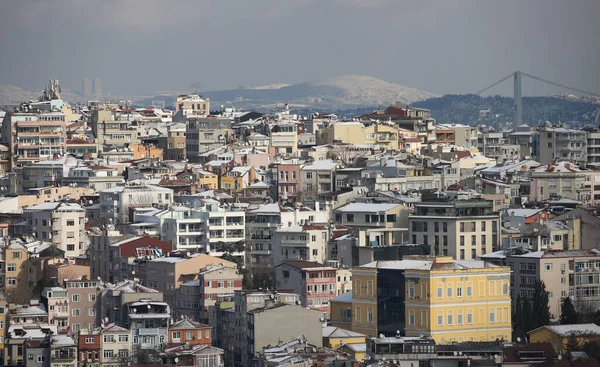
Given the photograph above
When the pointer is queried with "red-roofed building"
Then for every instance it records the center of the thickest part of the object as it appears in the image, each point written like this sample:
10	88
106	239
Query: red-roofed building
313	281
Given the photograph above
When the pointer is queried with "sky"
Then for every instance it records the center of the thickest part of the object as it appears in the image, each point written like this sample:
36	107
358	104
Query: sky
441	46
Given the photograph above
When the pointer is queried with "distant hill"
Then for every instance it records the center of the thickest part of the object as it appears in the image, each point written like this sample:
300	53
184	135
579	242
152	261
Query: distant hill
13	95
347	91
496	110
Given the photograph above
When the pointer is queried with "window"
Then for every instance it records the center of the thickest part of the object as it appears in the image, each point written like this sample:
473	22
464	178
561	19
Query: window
470	316
450	290
221	285
473	226
436	226
16	255
357	313
92	297
349	217
92	312
492	317
369	315
450	319
473	240
11	281
440	319
459	319
41	359
483	226
75	312
411	317
11	267
462	226
483	239
176	335
459	292
75	298
309	175
462	240
440	292
411	291
123	338
189	335
109	353
207	334
548	266
469	290
89	340
444	226
315	252
70	222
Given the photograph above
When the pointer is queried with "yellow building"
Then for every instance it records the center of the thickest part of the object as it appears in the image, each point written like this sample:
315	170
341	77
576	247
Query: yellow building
364	300
336	338
17	279
208	180
354	132
146	151
340	313
3	322
457	300
559	335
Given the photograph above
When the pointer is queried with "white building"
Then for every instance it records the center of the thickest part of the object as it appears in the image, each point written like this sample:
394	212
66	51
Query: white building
307	242
115	202
61	223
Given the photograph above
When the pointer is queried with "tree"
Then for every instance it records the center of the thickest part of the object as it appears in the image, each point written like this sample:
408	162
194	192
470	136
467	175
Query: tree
568	314
528	321
347	153
540	305
518	318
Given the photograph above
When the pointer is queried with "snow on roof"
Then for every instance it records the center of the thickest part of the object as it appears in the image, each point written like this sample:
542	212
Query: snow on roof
272	208
357	347
566	330
324	165
58	205
526	213
336	332
344	297
560	167
366	207
62	339
259	185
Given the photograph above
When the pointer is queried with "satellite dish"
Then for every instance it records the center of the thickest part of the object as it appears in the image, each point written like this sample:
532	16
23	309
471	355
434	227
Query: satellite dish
455	353
560	357
135	310
519	339
381	336
149	307
133	272
176	360
106	319
188	254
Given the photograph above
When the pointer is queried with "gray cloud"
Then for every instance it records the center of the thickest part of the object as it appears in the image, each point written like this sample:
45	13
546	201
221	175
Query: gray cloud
444	46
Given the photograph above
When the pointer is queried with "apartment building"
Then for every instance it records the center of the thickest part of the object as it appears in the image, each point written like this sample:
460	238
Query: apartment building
47	173
26	323
206	134
562	144
190	332
593	148
318	177
96	177
126	257
284	139
116	343
570	273
18	280
63	351
149	323
90	347
56	301
192	105
196	299
384	135
313	281
115	202
462	229
114	297
84	303
288	180
173	143
528	138
307	243
456	300
262	222
559	180
111	128
34	136
377	224
247	326
61	223
166	274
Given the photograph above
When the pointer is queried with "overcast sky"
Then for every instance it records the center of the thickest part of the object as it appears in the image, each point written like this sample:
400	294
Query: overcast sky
442	46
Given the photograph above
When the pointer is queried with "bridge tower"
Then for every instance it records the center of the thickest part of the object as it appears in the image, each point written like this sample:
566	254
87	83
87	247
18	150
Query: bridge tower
518	100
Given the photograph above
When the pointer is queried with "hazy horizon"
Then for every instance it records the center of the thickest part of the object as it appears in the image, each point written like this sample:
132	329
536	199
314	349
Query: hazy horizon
439	46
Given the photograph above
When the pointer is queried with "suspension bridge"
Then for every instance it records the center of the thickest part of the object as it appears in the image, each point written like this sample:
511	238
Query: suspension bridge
518	91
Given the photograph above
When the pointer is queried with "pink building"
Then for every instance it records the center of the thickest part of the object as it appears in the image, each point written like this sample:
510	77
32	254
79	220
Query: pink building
313	281
251	157
56	301
288	180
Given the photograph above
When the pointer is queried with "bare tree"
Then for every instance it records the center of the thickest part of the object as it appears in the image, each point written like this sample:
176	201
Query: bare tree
145	199
347	153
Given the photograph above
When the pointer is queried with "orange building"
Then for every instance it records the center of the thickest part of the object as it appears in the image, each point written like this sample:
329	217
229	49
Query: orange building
146	151
192	332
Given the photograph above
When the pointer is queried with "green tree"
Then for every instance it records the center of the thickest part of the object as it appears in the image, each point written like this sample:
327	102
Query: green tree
540	304
518	318
568	314
528	318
